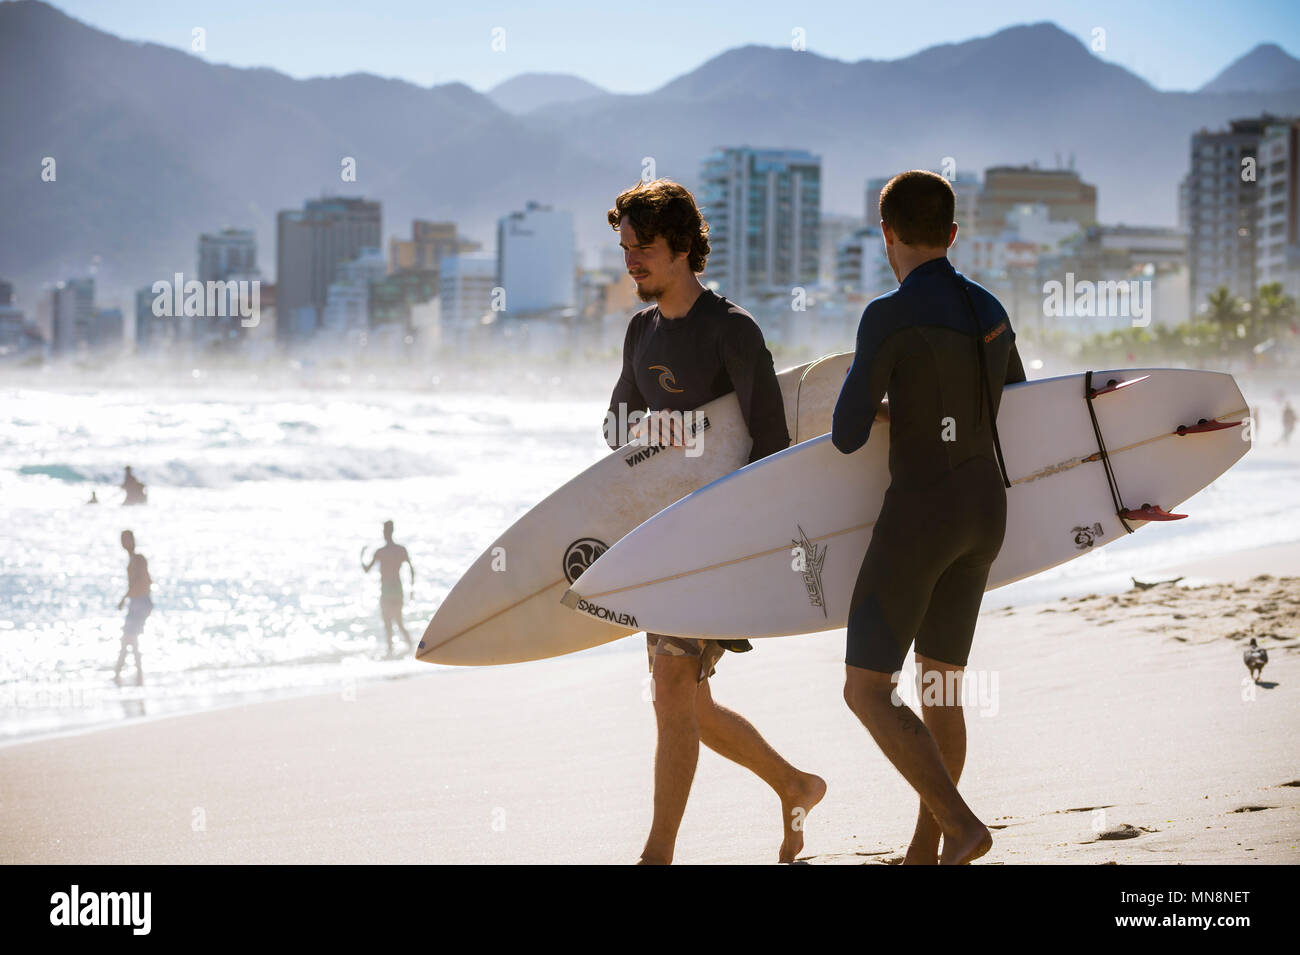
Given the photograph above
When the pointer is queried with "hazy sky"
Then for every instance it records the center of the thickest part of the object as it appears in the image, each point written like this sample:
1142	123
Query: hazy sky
636	47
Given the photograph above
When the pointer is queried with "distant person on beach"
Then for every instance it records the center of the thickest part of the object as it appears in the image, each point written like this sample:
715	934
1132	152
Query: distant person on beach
133	487
138	585
690	347
94	498
942	347
1288	423
390	558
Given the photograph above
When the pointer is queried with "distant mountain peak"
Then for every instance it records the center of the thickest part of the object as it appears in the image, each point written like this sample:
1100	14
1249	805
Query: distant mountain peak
1266	69
529	91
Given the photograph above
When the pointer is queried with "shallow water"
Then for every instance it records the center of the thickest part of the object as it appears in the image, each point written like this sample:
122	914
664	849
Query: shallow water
261	501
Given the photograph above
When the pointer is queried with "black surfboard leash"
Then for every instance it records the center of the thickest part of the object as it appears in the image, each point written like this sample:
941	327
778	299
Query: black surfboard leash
1115	496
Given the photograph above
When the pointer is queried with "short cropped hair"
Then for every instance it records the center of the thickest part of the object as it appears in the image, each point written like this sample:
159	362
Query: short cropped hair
918	205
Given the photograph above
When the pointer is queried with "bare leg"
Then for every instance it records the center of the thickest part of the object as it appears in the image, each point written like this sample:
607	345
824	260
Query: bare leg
909	746
402	626
388	632
729	734
946	722
676	754
121	659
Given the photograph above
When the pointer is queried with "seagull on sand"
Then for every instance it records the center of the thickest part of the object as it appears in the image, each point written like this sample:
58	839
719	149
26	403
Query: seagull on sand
1255	657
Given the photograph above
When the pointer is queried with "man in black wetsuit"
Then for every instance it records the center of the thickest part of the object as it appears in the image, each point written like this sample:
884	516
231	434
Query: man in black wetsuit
692	346
942	347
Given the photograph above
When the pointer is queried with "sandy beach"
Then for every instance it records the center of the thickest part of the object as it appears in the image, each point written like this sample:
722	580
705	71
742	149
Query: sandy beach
1109	729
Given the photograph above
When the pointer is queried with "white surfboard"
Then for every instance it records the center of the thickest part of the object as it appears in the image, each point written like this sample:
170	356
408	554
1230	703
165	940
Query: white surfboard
506	608
722	562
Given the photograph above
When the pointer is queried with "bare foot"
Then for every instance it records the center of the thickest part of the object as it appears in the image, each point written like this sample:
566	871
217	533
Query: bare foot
922	851
967	846
796	803
924	847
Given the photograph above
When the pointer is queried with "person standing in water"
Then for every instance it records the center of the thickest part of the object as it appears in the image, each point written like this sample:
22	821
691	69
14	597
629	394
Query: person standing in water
138	586
390	558
133	487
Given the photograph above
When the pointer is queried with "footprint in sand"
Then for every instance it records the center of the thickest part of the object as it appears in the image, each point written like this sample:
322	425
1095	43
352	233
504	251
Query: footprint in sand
1253	808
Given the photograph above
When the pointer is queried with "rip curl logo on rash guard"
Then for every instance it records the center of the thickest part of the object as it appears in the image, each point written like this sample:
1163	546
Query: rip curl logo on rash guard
667	379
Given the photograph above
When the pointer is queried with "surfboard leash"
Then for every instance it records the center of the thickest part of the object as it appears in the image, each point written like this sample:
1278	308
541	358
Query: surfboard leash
1115	496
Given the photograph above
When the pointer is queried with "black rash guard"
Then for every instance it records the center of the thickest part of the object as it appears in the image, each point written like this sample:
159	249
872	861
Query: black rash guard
943	518
679	364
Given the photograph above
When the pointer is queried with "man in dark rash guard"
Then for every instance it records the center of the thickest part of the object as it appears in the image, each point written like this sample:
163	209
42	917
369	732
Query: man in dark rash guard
942	347
690	347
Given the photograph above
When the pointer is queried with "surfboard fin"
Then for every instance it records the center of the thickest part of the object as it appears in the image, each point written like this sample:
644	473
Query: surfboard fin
1114	385
1149	512
1207	425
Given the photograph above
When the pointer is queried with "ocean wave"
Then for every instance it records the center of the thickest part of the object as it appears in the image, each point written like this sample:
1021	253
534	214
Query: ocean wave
334	464
59	472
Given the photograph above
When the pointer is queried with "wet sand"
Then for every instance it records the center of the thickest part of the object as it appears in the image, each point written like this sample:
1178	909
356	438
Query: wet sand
1109	729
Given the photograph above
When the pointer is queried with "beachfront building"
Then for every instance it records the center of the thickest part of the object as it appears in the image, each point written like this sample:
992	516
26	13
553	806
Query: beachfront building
346	315
151	331
1064	196
833	230
763	207
310	244
17	335
466	284
228	256
537	261
862	269
1277	232
1221	209
73	314
430	243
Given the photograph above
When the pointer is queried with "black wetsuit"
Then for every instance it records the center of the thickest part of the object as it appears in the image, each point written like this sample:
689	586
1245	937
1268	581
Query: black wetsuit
679	364
944	515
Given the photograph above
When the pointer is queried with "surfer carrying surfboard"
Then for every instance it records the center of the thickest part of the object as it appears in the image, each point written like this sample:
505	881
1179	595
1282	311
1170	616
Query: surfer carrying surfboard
390	558
691	347
942	347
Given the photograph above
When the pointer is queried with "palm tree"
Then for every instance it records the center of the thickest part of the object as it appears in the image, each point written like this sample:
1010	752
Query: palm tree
1272	310
1224	313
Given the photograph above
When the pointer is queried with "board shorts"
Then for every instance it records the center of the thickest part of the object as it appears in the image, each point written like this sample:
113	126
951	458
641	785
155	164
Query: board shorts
924	573
709	652
137	612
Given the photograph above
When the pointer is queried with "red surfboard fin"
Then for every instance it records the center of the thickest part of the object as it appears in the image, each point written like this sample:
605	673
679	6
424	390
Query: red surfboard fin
1207	425
1149	512
1114	385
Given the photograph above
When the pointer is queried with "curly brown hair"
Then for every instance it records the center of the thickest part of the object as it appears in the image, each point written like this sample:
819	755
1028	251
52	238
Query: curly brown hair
662	207
918	206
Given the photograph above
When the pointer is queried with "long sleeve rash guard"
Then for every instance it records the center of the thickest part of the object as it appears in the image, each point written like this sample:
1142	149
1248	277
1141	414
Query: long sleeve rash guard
679	364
